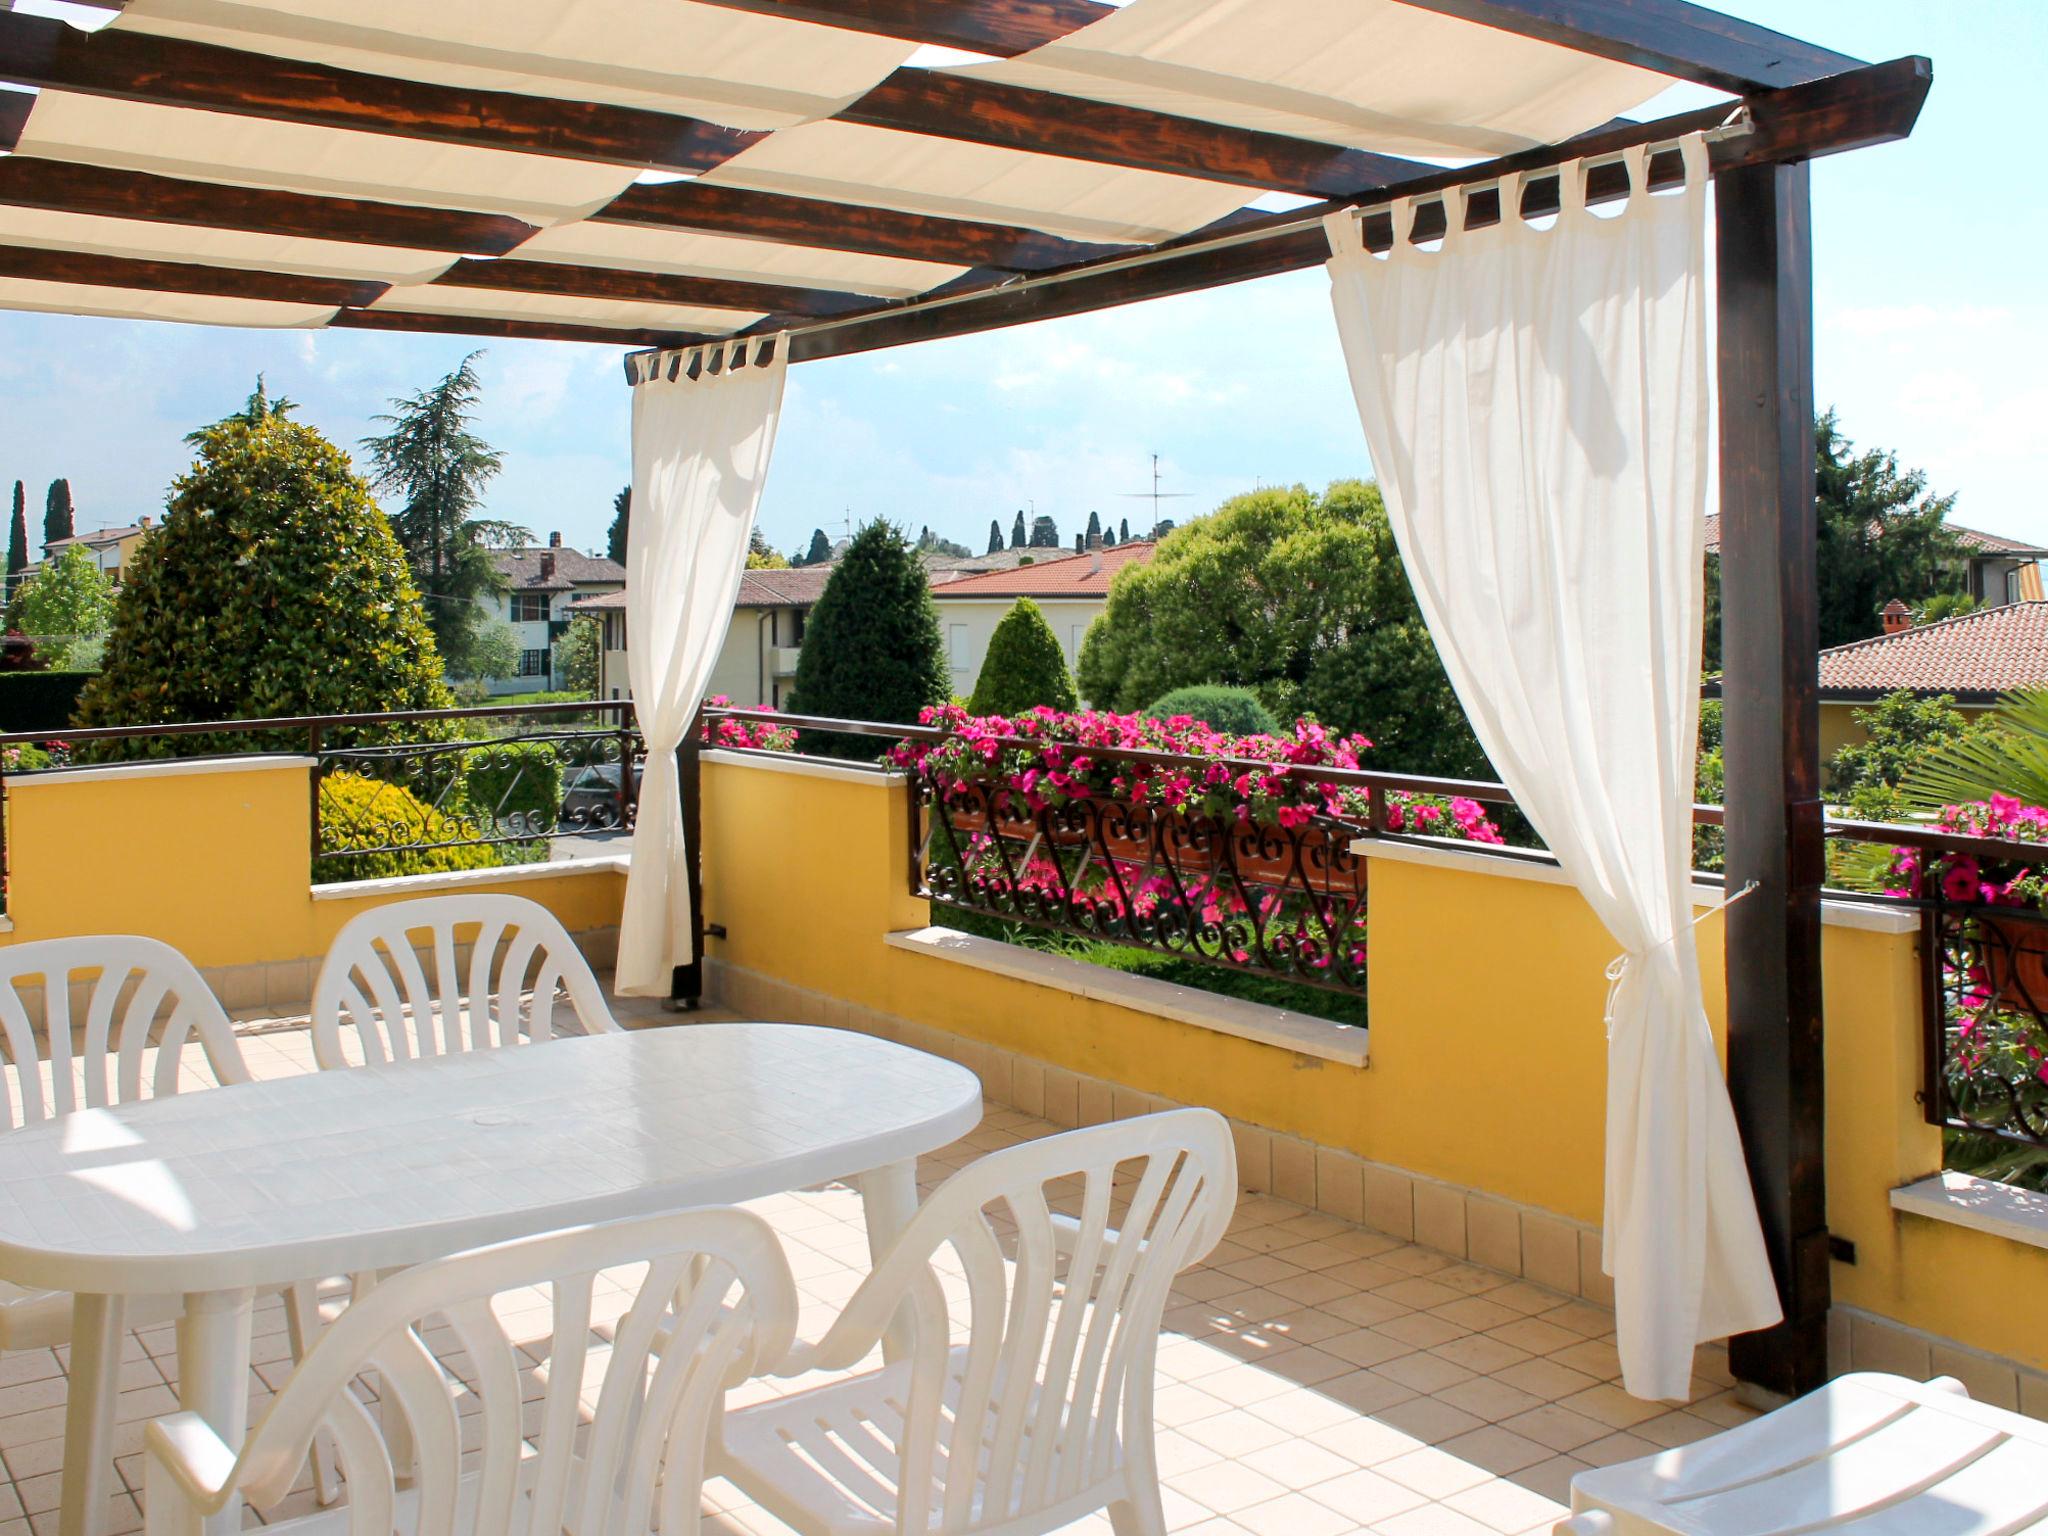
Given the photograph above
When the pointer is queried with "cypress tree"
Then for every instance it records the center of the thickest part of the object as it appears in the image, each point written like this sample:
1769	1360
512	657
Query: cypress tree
1123	530
1094	530
821	548
872	648
60	520
995	537
17	535
622	525
1023	668
1017	531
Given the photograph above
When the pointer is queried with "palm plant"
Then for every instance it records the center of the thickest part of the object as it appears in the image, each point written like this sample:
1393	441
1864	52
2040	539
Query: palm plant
2011	758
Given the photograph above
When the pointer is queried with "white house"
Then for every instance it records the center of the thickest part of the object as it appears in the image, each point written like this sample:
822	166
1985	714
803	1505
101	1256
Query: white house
758	661
1071	590
540	585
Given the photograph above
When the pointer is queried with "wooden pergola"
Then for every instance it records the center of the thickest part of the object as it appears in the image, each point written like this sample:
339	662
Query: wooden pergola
738	167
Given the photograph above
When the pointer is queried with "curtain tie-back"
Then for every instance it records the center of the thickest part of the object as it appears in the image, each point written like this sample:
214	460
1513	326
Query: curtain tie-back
1618	967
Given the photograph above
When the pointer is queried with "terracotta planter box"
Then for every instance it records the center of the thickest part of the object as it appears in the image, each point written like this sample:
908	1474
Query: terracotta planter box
2016	961
1194	861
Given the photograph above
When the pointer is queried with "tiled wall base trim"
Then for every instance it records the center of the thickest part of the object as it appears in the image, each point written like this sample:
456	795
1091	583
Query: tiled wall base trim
1538	1245
286	986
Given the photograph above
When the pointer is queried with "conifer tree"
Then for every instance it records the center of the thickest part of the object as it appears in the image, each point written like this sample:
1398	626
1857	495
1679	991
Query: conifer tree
17	535
872	648
1045	533
60	519
1017	531
1094	530
622	524
995	537
1024	667
820	551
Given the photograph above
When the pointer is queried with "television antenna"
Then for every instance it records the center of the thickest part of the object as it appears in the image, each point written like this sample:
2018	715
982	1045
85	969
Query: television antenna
1156	495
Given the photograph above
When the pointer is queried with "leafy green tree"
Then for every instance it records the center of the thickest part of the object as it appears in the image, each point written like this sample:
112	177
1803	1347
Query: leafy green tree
1234	711
1710	786
1045	533
1017	531
273	587
577	654
929	543
60	518
872	648
1024	667
1881	536
493	652
763	557
2005	752
432	459
995	537
819	552
1303	599
622	522
1902	731
17	536
68	605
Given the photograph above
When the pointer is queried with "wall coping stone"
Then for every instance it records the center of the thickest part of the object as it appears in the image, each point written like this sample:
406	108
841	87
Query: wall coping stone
457	879
166	768
1301	1033
1964	1200
1523	864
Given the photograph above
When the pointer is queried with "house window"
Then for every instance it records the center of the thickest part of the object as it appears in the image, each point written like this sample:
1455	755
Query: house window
796	625
533	663
529	607
956	641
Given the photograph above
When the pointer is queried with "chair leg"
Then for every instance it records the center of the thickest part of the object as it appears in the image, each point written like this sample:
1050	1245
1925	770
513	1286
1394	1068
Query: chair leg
302	1326
1139	1515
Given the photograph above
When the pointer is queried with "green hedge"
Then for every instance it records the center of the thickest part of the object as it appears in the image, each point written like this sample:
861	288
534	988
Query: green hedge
1233	711
40	701
362	813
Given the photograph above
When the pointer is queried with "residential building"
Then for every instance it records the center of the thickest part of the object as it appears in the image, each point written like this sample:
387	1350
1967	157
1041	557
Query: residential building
111	548
540	585
1975	657
1070	589
1998	570
757	662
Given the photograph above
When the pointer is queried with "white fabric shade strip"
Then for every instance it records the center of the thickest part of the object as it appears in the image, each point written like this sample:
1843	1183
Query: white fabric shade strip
1367	74
1536	405
703	434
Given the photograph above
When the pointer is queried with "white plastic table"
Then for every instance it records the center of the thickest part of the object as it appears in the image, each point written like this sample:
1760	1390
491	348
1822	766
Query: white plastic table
217	1194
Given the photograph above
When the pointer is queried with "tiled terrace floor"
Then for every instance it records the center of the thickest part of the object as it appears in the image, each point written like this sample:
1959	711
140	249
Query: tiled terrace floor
1316	1378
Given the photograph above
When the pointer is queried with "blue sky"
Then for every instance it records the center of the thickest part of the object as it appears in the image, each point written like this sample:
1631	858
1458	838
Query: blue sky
1932	316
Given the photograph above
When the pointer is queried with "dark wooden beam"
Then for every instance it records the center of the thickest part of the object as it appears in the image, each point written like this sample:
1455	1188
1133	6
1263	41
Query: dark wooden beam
648	287
1669	36
821	225
1771	743
182	277
519	330
15	107
1103	133
1878	103
135	66
65	186
1003	28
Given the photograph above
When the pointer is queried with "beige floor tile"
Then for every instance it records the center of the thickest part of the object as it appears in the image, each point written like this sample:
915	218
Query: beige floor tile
1507	1507
1433	1471
1294	1514
1367	1497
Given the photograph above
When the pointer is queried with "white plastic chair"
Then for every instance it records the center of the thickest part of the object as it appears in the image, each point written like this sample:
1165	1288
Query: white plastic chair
1051	1392
374	985
637	1459
138	995
1867	1453
68	1059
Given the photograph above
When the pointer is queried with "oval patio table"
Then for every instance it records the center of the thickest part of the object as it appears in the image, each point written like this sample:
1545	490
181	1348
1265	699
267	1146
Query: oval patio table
216	1194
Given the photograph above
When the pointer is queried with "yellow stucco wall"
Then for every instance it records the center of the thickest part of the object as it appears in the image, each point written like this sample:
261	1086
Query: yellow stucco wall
213	860
1487	1056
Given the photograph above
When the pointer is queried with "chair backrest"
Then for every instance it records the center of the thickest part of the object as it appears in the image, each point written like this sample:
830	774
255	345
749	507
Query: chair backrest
90	1009
1060	1348
715	1299
375	983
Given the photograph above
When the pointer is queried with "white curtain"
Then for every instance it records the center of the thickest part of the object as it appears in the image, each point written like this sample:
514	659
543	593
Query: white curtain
1536	404
701	447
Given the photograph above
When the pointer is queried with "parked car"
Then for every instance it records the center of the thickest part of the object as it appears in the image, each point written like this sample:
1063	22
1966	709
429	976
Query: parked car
590	800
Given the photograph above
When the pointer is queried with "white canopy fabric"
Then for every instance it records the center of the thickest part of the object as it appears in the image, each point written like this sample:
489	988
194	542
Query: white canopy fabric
701	447
1372	74
1378	75
1536	403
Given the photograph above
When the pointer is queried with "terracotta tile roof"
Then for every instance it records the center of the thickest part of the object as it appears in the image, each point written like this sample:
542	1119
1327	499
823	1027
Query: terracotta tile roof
1074	575
797	587
572	568
1973	539
1975	657
94	537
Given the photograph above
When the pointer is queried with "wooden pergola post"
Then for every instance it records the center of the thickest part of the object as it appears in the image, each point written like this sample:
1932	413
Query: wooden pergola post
1771	742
